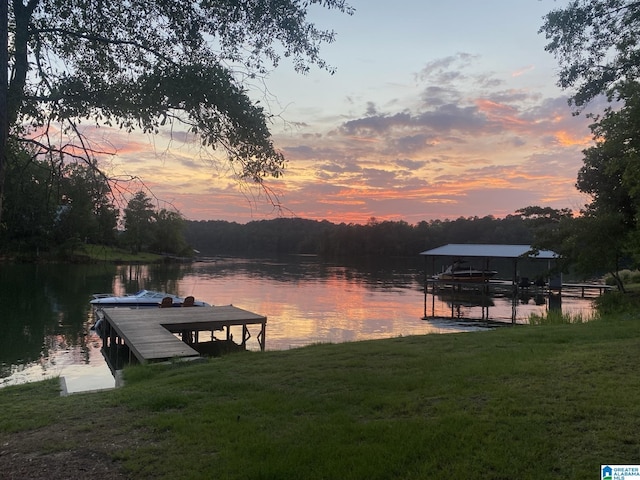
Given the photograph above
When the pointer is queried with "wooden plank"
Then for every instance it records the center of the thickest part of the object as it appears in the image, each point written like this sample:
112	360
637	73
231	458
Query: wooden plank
147	339
148	331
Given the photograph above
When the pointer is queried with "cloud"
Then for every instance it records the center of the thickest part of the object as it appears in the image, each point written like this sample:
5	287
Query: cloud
411	164
447	69
458	141
522	71
435	95
443	118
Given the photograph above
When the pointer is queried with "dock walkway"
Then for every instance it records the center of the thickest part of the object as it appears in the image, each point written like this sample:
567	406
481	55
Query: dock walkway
150	332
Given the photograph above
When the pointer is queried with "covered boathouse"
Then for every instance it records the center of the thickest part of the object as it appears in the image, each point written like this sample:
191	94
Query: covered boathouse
481	257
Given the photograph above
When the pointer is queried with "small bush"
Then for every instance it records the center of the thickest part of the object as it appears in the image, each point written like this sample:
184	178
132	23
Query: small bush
616	302
556	317
626	276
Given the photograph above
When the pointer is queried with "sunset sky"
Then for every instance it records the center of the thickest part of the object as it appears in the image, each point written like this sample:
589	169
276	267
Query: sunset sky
436	110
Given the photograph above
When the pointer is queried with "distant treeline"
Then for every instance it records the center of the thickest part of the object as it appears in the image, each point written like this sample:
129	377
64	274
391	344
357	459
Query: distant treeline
381	238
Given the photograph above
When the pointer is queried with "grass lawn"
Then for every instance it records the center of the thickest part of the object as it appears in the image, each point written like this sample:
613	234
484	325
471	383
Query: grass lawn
525	402
102	253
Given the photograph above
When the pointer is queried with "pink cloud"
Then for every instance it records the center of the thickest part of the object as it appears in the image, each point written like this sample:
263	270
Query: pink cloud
463	145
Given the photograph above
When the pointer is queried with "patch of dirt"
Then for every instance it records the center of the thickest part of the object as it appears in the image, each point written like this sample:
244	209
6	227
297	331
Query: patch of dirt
71	453
72	464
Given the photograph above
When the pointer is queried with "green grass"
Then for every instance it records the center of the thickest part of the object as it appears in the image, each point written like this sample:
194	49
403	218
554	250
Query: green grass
526	402
102	253
628	277
88	253
556	317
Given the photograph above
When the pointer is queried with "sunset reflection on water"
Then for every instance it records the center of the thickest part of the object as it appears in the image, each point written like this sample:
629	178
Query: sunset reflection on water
306	301
315	303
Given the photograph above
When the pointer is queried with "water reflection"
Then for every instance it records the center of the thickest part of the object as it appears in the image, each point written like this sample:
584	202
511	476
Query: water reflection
45	312
501	304
307	301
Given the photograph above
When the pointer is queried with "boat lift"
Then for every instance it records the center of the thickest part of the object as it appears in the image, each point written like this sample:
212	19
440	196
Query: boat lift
481	284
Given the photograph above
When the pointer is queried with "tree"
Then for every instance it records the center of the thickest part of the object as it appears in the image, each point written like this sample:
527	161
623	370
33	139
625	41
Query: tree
139	64
611	177
596	244
597	44
169	233
611	170
31	201
138	222
545	222
4	86
55	205
85	212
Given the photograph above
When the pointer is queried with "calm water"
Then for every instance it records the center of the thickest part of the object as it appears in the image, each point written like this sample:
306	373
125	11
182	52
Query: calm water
46	316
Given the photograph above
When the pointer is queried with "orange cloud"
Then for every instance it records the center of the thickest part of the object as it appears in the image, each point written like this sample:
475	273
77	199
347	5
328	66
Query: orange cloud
569	139
501	113
522	71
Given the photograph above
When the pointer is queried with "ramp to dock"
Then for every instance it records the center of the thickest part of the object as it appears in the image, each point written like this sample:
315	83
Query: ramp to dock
149	332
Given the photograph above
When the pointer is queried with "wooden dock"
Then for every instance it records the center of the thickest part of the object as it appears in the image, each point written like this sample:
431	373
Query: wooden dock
149	333
585	289
480	294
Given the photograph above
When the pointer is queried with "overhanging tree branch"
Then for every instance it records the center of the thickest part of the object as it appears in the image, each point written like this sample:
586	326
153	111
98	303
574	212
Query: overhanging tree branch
138	63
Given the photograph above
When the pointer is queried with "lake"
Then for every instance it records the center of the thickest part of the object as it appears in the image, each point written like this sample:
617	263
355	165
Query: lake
46	316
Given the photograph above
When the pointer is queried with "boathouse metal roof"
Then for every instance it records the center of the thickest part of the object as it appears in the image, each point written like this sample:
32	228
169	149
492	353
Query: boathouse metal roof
489	251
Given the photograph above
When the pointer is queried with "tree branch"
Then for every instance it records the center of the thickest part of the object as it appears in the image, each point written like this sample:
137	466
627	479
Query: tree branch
104	40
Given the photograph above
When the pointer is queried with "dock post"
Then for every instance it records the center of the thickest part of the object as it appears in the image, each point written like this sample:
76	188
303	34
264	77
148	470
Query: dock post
261	336
245	335
105	334
112	337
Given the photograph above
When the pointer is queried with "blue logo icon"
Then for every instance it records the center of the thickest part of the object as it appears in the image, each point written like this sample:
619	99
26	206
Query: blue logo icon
607	472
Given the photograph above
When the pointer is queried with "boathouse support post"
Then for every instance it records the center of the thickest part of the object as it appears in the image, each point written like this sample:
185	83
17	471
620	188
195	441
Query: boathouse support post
426	287
246	335
433	299
262	336
514	289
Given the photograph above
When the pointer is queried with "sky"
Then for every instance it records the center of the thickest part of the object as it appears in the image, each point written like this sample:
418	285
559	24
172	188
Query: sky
436	110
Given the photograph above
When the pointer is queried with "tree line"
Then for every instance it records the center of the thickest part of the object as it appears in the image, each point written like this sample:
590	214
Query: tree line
376	238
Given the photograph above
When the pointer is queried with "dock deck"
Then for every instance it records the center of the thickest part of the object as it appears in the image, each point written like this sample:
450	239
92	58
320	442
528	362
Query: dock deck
149	333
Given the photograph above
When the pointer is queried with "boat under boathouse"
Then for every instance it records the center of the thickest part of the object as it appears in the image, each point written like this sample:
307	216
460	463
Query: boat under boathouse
485	253
475	273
